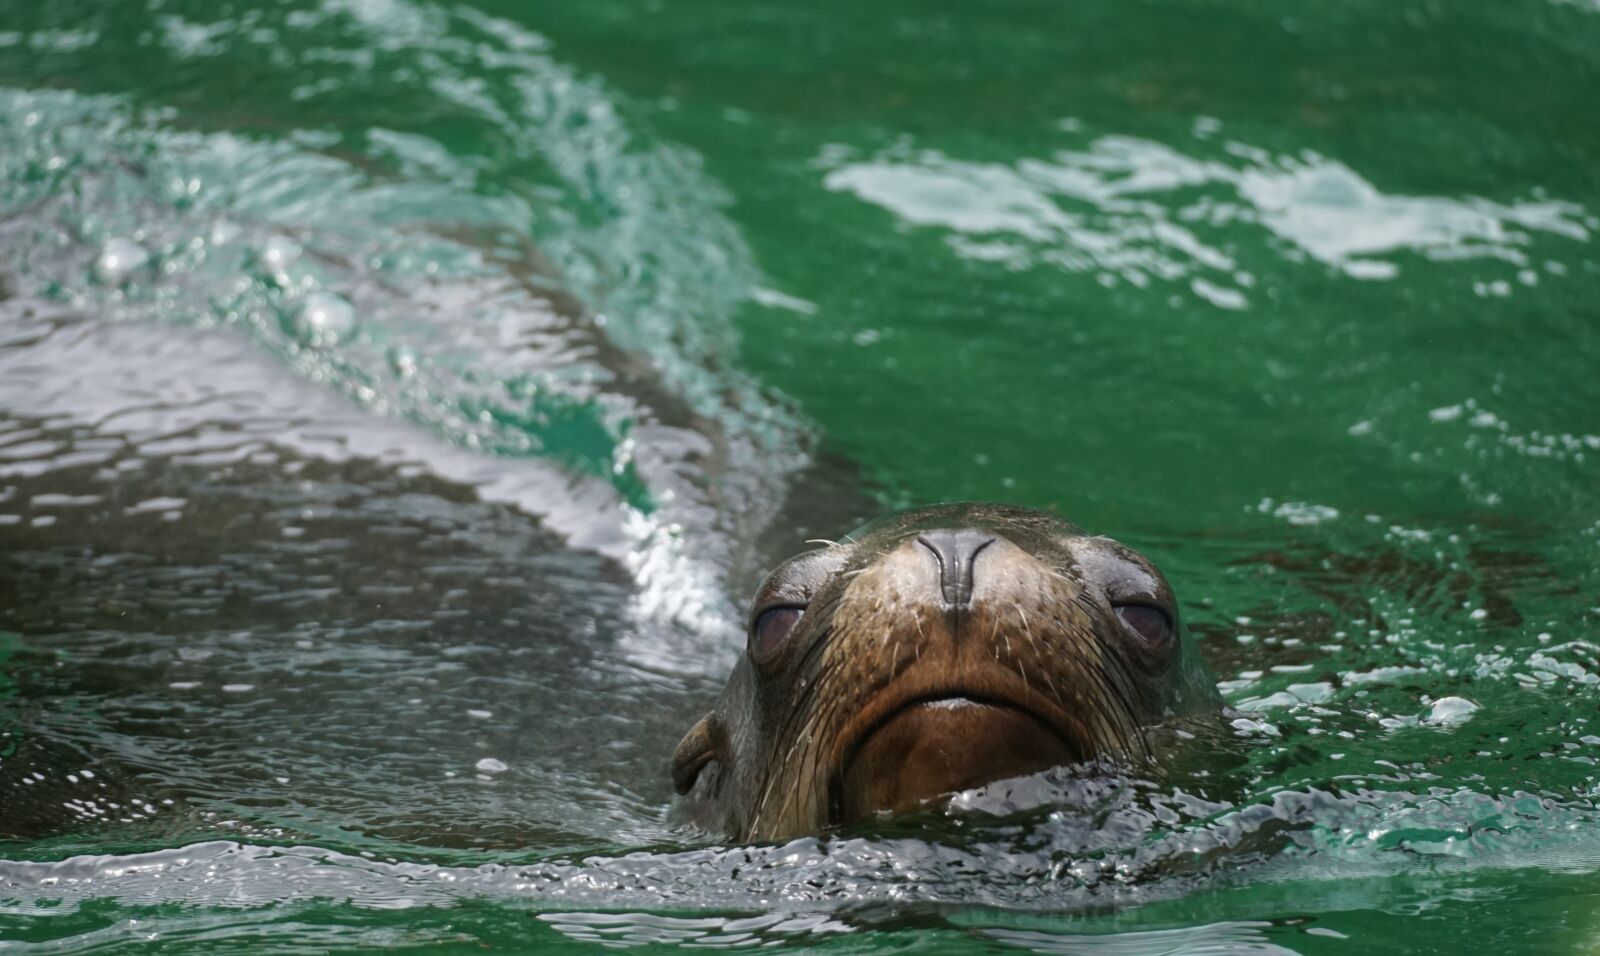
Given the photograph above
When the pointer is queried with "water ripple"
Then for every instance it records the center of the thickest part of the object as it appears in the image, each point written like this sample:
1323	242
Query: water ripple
1133	210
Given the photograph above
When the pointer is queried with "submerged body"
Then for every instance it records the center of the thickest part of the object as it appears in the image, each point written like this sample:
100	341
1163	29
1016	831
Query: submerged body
933	651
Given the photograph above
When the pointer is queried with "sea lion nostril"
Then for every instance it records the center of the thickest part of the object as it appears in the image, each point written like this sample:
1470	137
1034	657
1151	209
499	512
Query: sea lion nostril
956	552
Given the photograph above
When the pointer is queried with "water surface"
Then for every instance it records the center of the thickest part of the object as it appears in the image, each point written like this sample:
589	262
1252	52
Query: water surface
397	400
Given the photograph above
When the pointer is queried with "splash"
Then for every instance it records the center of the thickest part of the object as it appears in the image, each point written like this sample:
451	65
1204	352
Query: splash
572	325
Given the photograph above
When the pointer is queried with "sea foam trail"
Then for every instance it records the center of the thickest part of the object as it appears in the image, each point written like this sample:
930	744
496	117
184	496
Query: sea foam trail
562	342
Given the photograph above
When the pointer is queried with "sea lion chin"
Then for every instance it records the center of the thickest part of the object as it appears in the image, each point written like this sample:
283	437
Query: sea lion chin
941	746
933	651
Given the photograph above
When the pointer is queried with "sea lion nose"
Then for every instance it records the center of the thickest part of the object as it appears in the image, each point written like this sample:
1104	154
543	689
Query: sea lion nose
955	550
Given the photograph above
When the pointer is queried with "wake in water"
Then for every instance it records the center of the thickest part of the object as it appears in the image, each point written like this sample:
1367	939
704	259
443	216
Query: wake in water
581	339
314	440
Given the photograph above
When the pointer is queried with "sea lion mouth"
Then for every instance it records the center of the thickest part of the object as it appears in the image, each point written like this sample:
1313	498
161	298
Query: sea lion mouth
935	744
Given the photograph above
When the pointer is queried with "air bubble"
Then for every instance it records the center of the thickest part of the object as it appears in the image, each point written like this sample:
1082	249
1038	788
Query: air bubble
403	361
278	252
119	261
324	319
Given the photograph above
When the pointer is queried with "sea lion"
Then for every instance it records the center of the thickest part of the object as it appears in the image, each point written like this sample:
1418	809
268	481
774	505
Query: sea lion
932	651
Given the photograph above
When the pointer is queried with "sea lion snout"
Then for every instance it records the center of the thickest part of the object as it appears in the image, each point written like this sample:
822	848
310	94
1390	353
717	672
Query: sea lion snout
956	551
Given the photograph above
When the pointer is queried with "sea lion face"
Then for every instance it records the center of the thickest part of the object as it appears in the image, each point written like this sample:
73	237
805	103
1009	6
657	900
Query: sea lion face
936	650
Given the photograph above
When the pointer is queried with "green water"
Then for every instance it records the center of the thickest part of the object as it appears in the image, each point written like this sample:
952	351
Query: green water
380	527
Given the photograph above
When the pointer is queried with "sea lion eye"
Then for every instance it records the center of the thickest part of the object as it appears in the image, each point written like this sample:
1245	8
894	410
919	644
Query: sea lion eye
1147	621
772	626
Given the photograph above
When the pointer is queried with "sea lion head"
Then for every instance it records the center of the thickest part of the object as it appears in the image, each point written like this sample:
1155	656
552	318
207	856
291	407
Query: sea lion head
933	651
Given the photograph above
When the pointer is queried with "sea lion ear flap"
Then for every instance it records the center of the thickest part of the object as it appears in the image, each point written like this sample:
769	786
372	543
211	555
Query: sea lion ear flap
697	748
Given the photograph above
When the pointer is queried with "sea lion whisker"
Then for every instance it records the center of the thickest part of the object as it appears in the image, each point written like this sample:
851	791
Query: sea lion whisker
797	716
1119	691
